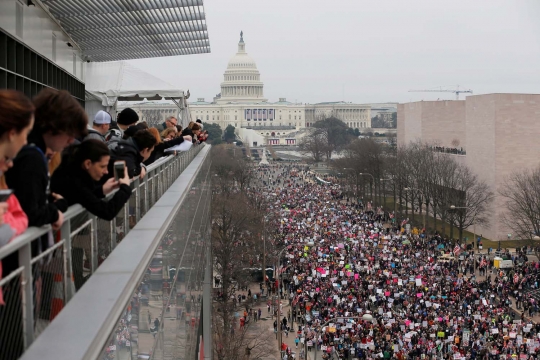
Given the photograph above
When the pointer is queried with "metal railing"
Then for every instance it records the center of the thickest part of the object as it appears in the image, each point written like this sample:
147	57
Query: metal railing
38	284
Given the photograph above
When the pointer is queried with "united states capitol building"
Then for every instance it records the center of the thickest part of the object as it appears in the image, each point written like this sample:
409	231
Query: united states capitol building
241	103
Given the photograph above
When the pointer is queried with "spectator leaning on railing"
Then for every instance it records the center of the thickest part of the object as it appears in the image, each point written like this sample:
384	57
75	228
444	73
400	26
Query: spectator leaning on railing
169	134
126	118
16	121
193	130
170	122
162	145
59	119
77	180
133	151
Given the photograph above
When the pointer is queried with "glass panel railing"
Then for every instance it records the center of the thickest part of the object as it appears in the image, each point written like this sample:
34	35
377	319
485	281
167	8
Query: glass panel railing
162	319
37	286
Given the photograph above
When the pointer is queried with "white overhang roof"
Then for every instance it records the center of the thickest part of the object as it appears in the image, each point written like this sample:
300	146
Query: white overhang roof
120	81
108	30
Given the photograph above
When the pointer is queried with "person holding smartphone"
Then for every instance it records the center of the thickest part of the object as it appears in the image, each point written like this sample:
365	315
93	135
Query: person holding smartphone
133	151
77	180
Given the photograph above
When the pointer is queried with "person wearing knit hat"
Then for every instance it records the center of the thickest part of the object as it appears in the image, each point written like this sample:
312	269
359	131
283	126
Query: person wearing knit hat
124	120
100	126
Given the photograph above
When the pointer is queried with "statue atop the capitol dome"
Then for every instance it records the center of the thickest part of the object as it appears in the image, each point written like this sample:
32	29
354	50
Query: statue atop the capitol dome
241	36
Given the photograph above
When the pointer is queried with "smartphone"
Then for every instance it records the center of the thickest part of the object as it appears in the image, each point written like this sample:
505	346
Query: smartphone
5	194
119	170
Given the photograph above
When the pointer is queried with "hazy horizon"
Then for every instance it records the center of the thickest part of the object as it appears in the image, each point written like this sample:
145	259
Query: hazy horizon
365	51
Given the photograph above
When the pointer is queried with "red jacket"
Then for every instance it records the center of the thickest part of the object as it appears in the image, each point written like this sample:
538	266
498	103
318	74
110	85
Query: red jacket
18	221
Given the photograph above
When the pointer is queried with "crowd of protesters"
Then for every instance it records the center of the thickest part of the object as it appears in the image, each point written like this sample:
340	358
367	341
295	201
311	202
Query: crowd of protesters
403	295
51	158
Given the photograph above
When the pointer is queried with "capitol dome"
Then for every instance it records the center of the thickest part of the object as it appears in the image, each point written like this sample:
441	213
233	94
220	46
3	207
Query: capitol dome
241	81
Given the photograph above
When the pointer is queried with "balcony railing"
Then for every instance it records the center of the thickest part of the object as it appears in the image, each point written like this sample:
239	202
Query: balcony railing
40	285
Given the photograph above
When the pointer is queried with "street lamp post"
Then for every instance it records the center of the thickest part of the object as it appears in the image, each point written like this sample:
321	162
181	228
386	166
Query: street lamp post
423	196
310	244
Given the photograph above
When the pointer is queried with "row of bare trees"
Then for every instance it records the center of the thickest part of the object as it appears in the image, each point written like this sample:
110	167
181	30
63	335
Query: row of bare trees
237	218
418	180
442	187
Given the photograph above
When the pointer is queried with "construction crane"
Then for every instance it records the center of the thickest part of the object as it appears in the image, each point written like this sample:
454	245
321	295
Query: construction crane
456	91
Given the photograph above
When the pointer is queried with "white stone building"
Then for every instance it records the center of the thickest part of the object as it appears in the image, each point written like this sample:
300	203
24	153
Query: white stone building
241	103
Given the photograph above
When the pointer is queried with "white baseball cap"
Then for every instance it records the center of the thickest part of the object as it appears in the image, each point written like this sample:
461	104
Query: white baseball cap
102	118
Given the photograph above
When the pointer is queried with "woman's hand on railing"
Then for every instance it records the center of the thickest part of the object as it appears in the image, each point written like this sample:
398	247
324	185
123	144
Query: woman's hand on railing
58	223
143	172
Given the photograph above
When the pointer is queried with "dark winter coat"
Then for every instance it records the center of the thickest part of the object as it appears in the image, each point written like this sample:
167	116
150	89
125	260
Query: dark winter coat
77	187
29	178
125	150
159	149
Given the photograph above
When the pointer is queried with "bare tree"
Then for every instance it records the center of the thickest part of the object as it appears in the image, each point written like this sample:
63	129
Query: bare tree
314	145
234	236
522	194
363	156
472	198
230	168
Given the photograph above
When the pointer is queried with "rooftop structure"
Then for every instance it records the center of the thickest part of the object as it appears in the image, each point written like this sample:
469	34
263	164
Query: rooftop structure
119	30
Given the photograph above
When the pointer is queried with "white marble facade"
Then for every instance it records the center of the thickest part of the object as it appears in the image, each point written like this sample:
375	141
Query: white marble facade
241	103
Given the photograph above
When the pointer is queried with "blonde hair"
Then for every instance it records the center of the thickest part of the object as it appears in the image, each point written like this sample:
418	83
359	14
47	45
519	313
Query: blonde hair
167	132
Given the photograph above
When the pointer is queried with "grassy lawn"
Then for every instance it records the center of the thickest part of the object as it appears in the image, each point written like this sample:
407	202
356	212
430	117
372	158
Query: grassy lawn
487	243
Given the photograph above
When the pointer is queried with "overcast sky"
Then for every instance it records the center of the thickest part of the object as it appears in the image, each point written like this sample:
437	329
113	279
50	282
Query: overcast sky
366	50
